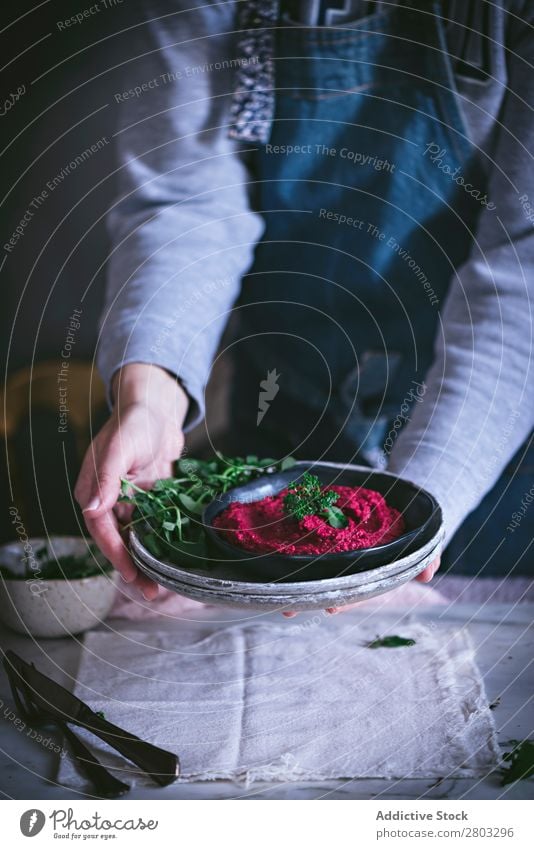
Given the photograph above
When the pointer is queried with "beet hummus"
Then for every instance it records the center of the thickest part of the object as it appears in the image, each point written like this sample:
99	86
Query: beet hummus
263	526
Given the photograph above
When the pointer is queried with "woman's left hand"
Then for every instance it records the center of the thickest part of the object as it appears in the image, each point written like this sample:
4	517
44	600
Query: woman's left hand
425	577
427	574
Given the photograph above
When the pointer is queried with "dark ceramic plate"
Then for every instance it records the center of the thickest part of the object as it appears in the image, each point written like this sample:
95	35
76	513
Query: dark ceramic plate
421	512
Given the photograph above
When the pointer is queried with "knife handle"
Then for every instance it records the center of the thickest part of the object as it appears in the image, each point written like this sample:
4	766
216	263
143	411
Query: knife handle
161	765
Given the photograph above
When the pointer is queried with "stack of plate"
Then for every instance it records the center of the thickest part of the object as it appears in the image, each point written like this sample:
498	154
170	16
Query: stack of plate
237	583
208	586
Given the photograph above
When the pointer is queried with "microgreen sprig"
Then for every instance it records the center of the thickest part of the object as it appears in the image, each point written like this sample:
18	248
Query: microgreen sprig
171	510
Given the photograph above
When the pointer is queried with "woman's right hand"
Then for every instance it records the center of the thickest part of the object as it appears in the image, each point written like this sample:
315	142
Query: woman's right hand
140	441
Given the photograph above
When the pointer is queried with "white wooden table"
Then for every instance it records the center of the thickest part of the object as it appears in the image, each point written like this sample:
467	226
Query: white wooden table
504	640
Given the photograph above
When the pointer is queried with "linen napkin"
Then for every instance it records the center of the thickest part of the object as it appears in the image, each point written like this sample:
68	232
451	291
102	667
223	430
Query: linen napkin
293	702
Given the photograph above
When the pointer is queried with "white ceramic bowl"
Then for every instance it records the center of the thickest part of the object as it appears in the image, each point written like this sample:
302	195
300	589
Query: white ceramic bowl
53	608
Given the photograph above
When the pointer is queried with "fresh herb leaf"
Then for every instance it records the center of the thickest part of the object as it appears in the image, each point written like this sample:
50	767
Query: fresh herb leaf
190	503
152	542
391	642
186	466
335	517
168	515
308	498
521	761
71	567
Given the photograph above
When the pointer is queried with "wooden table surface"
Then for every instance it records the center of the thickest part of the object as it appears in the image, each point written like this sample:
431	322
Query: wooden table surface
504	640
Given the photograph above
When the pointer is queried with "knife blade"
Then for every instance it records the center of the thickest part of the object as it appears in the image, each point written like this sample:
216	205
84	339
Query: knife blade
162	766
105	784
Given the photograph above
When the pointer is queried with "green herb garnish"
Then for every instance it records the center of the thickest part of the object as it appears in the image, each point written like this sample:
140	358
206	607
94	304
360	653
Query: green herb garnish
520	760
170	512
47	567
308	498
391	642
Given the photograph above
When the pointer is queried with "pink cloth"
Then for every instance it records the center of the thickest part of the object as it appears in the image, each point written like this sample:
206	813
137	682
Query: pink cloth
130	604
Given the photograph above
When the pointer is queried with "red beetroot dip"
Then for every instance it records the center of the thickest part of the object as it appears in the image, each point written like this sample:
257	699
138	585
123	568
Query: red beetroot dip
263	526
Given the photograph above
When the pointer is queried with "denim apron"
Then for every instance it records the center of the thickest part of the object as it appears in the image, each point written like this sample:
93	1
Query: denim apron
363	229
366	221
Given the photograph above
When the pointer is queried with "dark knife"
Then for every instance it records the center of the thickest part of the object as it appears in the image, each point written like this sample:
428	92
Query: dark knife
106	785
51	697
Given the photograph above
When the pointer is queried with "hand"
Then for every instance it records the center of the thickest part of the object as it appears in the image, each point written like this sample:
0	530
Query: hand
140	441
427	574
425	577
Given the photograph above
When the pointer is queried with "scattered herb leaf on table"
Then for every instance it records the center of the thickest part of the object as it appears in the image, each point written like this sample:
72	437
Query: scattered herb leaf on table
391	642
520	760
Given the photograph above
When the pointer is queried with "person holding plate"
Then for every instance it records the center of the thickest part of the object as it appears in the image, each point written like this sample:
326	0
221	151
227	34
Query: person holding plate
348	188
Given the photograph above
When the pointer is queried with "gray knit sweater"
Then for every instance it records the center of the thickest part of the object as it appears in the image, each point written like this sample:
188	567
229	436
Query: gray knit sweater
183	234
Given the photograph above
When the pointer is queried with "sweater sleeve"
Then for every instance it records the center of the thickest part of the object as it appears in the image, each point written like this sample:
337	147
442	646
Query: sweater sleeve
182	230
479	405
